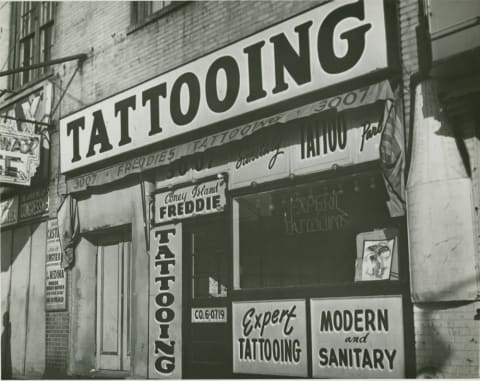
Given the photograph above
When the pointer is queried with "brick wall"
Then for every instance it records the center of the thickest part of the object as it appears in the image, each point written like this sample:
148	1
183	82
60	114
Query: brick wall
448	338
57	344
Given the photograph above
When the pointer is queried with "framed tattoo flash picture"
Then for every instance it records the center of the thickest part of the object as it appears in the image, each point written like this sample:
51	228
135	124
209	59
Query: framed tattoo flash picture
377	255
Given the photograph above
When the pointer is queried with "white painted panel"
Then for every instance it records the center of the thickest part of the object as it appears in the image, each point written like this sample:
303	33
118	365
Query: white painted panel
35	358
6	241
18	299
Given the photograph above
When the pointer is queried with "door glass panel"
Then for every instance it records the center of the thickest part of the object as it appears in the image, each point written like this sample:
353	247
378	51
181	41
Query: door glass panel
209	260
110	299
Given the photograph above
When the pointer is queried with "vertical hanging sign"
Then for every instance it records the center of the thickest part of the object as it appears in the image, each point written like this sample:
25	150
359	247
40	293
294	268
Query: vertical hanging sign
165	302
55	276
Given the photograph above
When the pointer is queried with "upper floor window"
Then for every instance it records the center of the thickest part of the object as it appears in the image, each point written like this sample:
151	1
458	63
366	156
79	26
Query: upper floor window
144	10
31	39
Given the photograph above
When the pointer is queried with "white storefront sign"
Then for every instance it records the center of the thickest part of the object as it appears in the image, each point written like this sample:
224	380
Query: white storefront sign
254	150
194	200
319	48
359	337
269	337
165	313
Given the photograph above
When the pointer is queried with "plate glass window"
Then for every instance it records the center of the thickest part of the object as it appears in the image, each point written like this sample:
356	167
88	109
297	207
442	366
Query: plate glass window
305	234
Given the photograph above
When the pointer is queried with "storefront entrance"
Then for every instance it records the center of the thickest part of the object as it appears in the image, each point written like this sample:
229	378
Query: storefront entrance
113	301
207	315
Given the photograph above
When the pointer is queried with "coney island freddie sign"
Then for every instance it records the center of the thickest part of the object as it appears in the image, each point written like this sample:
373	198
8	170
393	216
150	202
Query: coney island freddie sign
194	200
322	47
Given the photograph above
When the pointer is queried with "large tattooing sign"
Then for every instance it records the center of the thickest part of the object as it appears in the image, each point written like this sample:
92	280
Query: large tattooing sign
165	311
324	46
269	337
358	337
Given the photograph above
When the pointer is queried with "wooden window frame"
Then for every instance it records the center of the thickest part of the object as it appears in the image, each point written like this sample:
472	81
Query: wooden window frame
31	22
139	21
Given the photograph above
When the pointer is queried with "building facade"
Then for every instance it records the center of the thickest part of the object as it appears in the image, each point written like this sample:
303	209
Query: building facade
240	189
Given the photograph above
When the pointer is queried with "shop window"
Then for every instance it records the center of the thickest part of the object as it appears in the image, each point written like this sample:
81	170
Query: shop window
31	39
306	234
207	245
144	11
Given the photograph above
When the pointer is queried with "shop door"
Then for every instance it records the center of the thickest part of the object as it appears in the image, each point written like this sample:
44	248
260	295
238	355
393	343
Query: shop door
207	317
23	300
113	302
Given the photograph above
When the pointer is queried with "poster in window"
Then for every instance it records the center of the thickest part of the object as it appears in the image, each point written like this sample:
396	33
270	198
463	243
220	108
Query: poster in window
55	275
377	257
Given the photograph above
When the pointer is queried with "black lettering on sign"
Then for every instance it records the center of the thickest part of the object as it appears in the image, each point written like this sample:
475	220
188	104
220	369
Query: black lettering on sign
358	320
75	127
153	95
190	80
359	358
321	137
164	314
297	64
122	107
98	135
355	37
255	81
369	131
232	73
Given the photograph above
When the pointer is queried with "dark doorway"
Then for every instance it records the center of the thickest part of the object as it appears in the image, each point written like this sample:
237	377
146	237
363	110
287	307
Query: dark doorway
207	314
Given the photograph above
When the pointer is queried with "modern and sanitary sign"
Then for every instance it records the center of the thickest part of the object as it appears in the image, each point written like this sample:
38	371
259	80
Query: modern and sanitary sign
360	337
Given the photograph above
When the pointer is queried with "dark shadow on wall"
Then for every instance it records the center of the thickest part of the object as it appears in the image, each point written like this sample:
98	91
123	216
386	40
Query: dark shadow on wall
6	349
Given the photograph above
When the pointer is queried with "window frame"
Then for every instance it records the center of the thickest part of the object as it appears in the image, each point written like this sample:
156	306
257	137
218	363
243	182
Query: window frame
138	23
30	23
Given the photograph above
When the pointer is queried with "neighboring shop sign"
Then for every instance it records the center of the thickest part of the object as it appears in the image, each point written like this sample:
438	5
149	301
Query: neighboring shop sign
33	203
269	337
209	315
194	200
21	141
55	275
359	337
165	313
327	45
9	211
249	153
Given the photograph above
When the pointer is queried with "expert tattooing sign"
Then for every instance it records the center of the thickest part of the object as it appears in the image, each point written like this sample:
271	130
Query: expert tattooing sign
357	337
269	337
